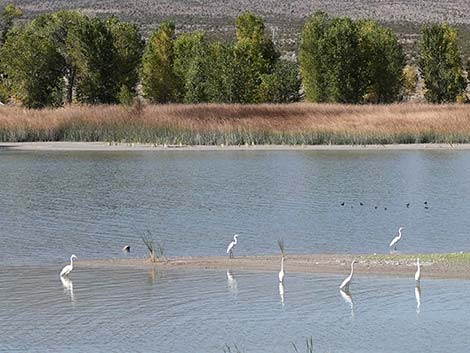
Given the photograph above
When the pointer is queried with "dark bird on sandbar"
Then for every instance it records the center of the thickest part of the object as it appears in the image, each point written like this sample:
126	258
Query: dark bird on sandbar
127	248
360	203
408	205
426	207
425	202
342	203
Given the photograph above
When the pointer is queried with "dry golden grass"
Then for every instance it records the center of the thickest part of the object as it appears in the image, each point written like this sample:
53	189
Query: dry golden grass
209	124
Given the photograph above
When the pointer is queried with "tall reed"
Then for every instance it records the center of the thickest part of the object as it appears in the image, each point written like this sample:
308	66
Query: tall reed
215	124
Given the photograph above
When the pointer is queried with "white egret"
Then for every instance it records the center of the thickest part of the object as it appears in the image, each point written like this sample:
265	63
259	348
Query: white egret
231	246
347	281
396	239
418	271
281	273
67	269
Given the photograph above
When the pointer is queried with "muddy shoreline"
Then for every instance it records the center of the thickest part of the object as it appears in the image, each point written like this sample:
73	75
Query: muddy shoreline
432	265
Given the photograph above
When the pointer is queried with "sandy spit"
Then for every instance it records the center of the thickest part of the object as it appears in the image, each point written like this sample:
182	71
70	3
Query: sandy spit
368	265
105	146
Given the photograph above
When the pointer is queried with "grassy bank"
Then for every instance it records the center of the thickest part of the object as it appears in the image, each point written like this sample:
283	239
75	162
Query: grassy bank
295	124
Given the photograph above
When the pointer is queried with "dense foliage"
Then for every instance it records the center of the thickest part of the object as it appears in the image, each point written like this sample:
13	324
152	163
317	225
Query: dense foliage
66	57
348	61
440	63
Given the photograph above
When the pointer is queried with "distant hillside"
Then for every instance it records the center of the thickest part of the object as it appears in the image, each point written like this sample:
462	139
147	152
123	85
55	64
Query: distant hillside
283	18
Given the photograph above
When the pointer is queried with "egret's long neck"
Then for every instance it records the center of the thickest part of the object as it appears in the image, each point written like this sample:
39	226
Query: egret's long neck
71	261
399	233
352	268
282	263
419	267
235	239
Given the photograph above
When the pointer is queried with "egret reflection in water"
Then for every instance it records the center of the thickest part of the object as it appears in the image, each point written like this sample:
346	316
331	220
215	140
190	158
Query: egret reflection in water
68	287
347	297
418	298
232	283
281	292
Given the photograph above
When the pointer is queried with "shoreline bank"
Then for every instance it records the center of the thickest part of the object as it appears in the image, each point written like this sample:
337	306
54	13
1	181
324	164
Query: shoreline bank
140	147
443	266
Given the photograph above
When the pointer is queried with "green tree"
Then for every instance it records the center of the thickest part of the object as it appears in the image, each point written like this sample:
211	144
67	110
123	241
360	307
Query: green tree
346	76
32	66
63	29
196	81
129	47
282	85
159	81
96	59
440	63
223	83
7	16
188	48
312	58
254	55
383	61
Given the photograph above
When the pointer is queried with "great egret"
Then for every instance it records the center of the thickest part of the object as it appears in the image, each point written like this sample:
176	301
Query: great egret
67	269
418	271
396	239
281	273
345	285
231	246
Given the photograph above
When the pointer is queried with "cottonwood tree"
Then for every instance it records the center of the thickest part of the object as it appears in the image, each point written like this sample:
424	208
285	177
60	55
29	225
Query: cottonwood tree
159	82
440	63
129	46
384	62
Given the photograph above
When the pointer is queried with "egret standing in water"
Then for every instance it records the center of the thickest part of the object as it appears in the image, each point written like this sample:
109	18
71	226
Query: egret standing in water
231	246
67	269
396	239
345	285
418	272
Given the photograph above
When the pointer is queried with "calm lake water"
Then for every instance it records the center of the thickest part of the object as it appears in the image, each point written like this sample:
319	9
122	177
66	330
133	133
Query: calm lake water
131	310
53	204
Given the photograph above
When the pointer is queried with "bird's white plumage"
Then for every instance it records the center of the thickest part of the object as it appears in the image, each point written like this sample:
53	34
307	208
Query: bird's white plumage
397	238
281	273
347	280
232	245
418	271
67	269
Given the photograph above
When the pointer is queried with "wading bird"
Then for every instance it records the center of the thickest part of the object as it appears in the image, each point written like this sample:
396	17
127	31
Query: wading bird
345	285
127	248
231	246
67	269
418	272
396	239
